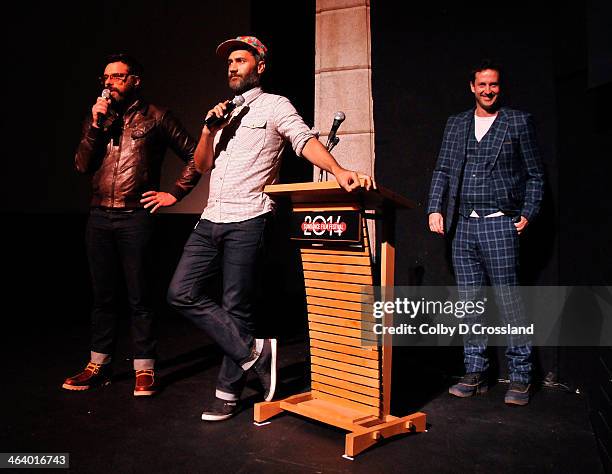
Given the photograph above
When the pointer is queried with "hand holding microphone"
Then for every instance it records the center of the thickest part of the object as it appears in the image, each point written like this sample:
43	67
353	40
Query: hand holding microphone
217	117
100	109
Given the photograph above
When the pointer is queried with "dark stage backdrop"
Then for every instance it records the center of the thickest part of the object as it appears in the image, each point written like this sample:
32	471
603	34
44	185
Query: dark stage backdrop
420	73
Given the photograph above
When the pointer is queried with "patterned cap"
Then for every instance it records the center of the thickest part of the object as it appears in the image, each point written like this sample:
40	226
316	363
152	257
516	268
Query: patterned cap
240	42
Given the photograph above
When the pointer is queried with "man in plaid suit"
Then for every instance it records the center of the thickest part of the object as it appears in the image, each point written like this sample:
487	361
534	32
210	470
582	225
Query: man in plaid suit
490	172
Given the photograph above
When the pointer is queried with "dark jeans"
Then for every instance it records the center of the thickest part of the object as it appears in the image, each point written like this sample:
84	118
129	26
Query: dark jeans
117	243
231	250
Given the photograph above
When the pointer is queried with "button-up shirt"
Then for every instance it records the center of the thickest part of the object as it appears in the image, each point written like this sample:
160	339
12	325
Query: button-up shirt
247	155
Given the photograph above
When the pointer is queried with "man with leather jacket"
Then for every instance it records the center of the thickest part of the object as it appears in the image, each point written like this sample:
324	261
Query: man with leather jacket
123	144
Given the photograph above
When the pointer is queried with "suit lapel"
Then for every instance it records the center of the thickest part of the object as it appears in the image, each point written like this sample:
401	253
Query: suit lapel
498	132
463	130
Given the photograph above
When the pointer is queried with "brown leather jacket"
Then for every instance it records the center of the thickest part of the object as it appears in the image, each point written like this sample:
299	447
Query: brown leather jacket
126	156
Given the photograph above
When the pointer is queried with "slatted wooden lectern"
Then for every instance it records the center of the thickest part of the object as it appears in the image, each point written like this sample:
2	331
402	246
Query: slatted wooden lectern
351	380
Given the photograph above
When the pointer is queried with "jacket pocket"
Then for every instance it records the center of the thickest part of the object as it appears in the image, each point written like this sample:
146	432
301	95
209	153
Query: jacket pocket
142	129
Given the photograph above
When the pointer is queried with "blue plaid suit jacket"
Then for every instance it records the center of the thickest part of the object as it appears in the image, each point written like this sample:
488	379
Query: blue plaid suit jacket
514	165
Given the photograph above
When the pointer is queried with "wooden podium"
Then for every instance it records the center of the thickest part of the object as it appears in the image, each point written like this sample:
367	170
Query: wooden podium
351	381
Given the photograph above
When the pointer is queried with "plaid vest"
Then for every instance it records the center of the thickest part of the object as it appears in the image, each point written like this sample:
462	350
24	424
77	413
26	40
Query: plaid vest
476	192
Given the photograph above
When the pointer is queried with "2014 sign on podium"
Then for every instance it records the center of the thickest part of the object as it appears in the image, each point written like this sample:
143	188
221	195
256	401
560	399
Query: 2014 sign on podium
327	226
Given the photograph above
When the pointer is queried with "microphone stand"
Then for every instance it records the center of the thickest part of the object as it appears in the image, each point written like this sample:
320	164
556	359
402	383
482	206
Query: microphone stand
334	142
330	146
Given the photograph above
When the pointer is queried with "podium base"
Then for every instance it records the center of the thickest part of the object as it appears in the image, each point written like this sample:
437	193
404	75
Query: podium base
365	430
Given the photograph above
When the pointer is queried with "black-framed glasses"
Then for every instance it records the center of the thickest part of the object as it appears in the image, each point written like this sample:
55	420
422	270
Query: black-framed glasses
114	77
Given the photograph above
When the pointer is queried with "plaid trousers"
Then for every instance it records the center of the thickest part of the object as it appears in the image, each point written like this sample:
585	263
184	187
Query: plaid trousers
486	250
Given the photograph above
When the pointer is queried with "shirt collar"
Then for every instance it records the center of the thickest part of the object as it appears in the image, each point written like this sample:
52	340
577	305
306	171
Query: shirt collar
251	95
135	106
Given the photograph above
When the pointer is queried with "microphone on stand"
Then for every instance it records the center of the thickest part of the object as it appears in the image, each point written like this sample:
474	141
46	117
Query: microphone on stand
332	139
338	119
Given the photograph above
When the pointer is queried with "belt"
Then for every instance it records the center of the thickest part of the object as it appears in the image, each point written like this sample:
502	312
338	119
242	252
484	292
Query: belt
118	210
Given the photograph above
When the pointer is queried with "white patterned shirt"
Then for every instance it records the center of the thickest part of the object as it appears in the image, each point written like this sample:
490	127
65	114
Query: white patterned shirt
247	155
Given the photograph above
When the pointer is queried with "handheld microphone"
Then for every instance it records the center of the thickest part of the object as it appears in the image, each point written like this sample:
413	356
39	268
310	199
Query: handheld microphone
338	119
213	120
106	95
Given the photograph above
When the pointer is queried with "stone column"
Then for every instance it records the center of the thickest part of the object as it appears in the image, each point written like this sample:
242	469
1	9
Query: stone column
343	80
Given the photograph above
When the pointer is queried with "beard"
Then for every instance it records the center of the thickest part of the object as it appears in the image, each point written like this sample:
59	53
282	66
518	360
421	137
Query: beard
123	98
244	84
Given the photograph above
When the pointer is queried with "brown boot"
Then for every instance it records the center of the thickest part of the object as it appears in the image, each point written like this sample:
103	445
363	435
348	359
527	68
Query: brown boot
146	385
93	375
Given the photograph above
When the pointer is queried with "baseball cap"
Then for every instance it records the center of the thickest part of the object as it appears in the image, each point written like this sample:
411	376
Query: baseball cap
240	42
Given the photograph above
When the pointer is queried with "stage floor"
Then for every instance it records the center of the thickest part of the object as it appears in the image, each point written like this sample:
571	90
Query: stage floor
108	430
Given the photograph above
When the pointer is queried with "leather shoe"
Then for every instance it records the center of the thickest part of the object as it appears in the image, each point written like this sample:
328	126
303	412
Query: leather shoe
146	384
517	394
93	375
470	384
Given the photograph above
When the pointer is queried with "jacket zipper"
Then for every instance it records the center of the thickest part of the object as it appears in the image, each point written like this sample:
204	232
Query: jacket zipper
127	118
115	170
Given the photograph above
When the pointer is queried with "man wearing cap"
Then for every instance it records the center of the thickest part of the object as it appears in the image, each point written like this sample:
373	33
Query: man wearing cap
244	153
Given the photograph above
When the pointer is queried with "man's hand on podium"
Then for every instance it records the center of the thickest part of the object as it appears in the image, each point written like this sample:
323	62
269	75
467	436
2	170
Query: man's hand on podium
317	154
350	180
